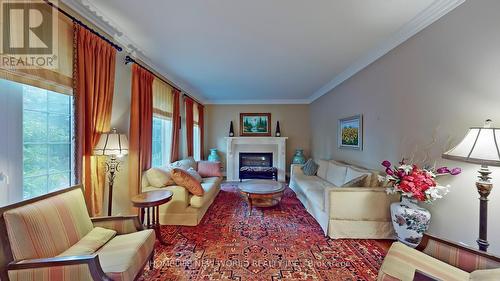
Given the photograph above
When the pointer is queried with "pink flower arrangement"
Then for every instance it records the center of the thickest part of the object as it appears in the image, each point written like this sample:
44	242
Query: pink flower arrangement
416	183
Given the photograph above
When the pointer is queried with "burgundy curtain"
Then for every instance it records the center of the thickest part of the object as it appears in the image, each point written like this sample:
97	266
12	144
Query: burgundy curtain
188	102
141	126
94	78
176	126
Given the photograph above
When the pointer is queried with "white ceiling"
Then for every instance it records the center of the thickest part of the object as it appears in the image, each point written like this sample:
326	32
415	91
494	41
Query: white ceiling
264	51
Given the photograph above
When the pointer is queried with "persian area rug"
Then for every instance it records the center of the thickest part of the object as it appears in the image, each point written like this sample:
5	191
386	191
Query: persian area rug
278	243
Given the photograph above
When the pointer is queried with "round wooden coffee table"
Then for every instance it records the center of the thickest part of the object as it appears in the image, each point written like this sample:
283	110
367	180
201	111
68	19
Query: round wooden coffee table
261	193
149	203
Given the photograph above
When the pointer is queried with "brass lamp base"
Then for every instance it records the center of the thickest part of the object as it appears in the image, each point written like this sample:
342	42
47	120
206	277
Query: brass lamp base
484	187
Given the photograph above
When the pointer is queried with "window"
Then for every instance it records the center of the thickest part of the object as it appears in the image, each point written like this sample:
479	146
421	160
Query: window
47	141
37	150
162	141
196	142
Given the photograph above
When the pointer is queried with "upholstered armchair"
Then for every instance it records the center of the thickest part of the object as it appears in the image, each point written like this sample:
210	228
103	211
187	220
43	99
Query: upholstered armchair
53	238
440	259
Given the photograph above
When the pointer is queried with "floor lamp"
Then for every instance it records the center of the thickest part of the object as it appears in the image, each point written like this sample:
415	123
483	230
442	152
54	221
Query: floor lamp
113	145
480	146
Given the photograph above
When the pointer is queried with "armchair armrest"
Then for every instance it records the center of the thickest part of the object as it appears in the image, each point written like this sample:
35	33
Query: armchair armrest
91	261
121	224
461	256
359	203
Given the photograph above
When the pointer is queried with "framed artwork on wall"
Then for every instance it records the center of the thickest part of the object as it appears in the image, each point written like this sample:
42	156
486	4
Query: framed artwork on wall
255	124
350	132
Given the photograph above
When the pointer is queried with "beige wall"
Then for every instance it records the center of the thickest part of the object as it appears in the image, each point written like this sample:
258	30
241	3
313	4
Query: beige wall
420	97
294	124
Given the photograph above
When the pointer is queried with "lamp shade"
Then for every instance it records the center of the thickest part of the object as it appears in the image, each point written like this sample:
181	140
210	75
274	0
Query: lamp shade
112	143
480	146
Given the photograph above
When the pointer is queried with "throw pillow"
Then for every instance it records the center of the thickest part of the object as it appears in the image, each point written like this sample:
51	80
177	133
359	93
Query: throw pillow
184	179
209	169
356	182
336	173
158	177
354	172
90	243
184	164
194	173
310	168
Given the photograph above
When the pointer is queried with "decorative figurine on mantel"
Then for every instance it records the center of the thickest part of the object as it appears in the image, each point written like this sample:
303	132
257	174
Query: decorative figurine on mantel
231	129
278	130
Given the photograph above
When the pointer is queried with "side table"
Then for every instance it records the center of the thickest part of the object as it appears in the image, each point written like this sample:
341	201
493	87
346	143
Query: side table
149	204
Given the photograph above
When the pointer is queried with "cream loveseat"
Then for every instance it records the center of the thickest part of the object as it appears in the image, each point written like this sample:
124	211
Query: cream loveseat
52	237
185	208
345	212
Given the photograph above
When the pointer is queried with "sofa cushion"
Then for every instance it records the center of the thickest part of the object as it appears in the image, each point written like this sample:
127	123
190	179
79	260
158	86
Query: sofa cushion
48	227
209	169
355	172
125	255
184	179
159	177
322	169
209	188
316	196
336	173
184	164
308	182
91	242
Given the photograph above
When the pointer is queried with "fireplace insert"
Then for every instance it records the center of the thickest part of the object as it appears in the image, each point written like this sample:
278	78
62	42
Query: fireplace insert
257	165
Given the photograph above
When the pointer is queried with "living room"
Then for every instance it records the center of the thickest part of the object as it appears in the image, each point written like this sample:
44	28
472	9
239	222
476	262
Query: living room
250	140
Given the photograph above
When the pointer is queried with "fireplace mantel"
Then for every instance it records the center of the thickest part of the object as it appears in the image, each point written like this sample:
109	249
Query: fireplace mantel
235	145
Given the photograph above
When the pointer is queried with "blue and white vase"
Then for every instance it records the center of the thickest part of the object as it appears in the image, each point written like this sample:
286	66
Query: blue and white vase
299	158
213	156
410	221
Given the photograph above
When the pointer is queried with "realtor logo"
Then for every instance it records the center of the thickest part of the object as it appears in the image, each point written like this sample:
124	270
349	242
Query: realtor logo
29	34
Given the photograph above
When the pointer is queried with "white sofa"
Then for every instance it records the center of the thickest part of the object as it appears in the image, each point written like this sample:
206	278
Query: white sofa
185	208
345	212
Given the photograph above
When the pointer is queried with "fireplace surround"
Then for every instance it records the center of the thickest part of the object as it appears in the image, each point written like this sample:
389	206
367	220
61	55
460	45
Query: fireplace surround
237	145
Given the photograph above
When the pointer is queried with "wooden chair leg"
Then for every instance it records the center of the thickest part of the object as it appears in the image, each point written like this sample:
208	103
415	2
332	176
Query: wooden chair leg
152	261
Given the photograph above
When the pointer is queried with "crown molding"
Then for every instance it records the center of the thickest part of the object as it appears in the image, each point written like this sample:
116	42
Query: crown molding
258	101
425	18
428	16
92	14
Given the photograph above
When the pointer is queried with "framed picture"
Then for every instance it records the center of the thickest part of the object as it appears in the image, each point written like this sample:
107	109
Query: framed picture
255	124
350	132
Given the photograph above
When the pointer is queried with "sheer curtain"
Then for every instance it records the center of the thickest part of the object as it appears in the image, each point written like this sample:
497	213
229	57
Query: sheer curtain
176	125
163	106
188	103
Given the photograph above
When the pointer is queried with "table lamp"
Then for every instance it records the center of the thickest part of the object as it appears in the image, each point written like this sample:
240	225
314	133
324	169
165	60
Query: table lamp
480	146
113	145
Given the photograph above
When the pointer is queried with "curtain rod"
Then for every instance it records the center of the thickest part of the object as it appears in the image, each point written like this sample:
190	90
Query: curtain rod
79	22
129	59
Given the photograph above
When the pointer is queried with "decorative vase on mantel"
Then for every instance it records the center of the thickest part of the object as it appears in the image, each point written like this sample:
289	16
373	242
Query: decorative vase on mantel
213	156
410	221
298	157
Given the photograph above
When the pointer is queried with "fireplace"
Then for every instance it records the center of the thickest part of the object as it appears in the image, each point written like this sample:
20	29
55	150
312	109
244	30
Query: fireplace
256	165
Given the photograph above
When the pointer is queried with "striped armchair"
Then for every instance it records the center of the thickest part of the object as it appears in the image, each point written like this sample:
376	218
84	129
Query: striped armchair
441	259
53	238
